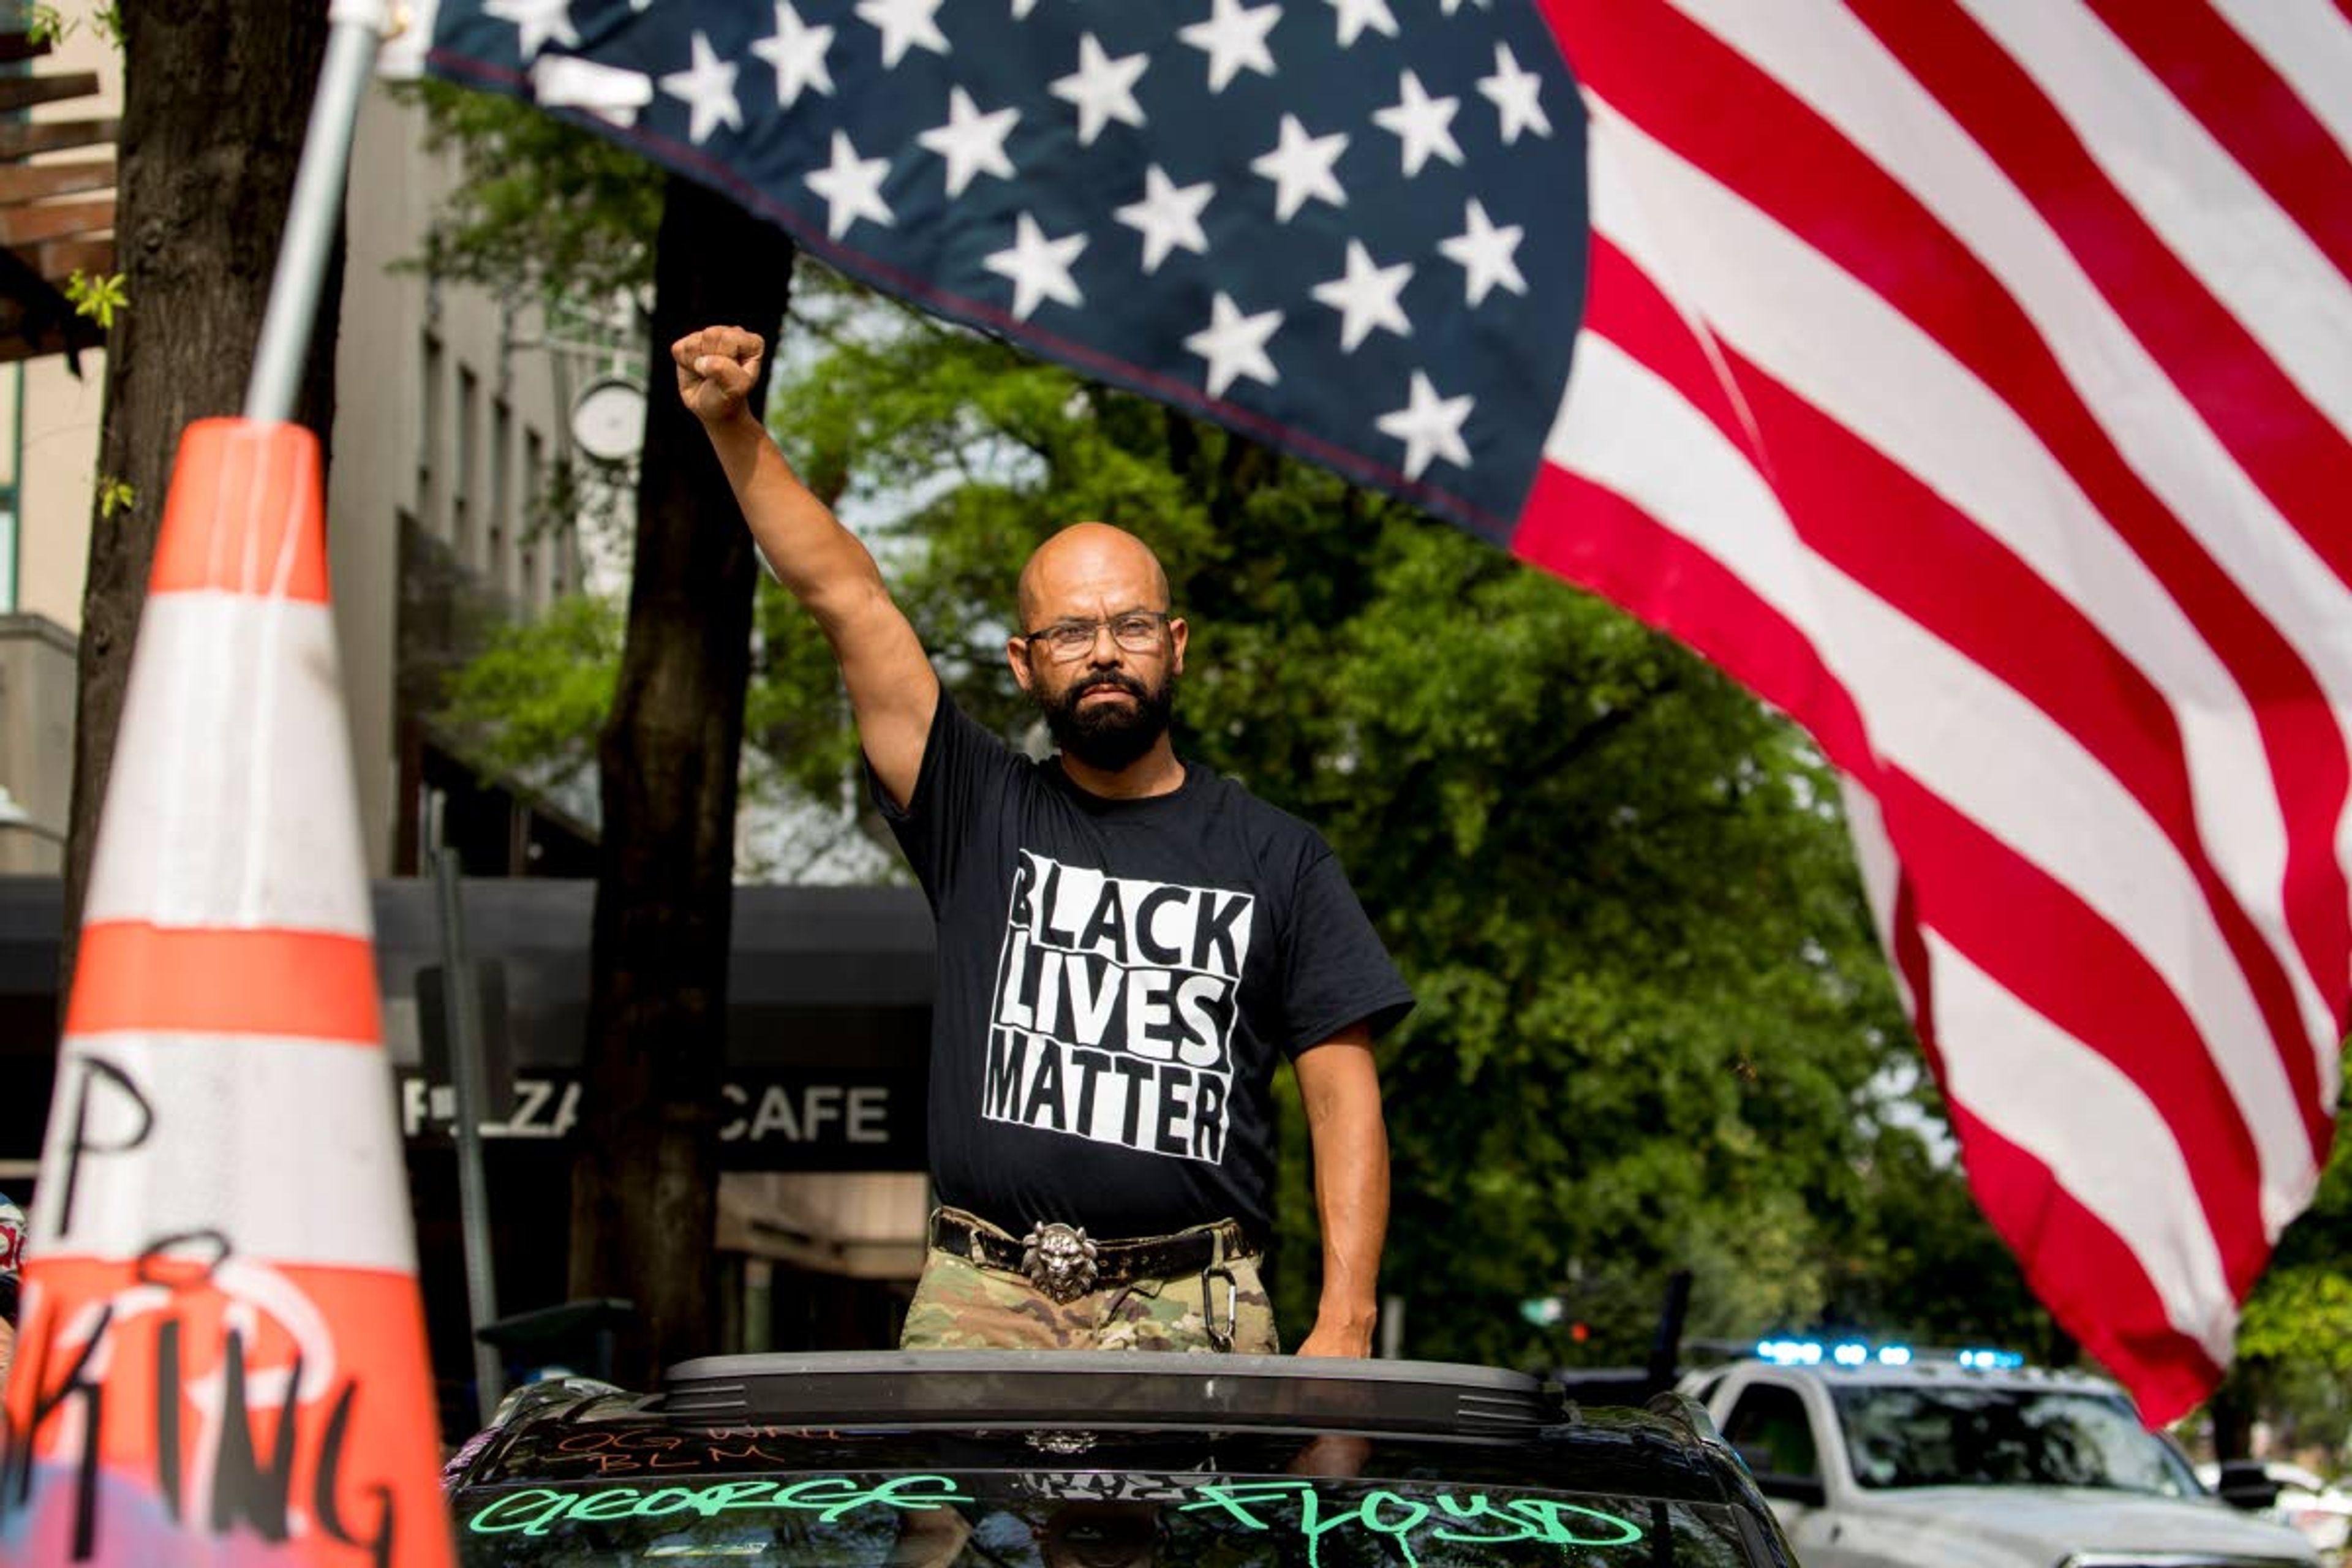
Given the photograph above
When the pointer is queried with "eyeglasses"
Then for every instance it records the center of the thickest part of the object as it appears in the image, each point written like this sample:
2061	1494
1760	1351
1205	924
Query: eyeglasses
1137	631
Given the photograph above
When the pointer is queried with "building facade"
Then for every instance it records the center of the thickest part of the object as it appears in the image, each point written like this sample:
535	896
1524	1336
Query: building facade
451	422
450	417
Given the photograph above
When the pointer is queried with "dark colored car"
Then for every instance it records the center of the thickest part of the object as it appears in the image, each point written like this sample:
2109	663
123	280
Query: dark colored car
1069	1459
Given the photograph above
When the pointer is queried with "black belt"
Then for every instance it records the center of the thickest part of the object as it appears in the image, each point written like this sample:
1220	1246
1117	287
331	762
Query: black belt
1066	1263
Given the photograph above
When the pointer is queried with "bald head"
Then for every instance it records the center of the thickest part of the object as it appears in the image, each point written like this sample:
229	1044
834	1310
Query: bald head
1108	692
1090	570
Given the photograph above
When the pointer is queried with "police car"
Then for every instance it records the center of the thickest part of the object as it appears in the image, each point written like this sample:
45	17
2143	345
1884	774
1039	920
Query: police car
1877	1455
1100	1460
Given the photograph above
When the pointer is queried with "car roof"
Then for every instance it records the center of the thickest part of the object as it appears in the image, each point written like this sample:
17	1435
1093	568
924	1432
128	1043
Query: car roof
1940	1374
880	1411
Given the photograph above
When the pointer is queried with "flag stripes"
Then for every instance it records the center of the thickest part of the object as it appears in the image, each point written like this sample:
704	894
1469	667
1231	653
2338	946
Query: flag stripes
2205	340
1833	492
2219	77
1983	402
2134	1177
2306	45
1989	333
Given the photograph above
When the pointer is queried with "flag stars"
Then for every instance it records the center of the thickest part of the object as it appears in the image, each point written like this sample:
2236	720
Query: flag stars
1235	345
536	21
612	95
1038	267
1102	88
1234	38
852	188
1301	167
1355	16
1168	217
1423	123
1429	426
1486	255
1365	297
708	89
1516	94
904	25
972	142
797	52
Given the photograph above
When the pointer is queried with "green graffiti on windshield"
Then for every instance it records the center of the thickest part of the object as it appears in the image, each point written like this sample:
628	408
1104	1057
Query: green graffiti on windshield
1387	1513
534	1510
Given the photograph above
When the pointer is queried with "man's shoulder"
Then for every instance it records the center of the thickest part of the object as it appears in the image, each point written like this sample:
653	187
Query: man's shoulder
1272	832
981	743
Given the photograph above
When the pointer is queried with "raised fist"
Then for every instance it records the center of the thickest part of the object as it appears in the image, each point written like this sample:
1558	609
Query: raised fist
716	367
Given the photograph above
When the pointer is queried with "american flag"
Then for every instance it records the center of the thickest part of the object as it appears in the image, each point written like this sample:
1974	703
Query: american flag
1969	377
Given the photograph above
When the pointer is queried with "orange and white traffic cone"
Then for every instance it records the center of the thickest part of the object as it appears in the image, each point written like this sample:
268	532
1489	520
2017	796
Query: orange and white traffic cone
221	1356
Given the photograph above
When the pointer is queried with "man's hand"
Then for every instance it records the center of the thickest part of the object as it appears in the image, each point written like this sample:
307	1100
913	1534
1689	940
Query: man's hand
716	367
1337	1338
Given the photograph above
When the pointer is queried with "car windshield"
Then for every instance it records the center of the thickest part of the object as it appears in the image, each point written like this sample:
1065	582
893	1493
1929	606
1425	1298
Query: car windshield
1085	1519
1910	1436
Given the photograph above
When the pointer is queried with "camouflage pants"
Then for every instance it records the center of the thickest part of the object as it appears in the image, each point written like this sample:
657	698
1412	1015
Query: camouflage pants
959	1305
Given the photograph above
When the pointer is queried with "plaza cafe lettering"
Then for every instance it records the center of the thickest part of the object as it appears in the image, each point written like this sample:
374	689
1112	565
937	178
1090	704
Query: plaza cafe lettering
781	1112
1272	1506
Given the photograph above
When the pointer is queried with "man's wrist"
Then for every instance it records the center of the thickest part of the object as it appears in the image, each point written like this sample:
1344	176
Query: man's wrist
741	425
1355	1314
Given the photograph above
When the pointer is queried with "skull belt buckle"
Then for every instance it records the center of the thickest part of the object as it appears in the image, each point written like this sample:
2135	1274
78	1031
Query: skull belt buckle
1059	1260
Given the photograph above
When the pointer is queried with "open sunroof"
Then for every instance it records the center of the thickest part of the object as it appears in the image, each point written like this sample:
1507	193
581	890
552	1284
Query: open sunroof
1105	1390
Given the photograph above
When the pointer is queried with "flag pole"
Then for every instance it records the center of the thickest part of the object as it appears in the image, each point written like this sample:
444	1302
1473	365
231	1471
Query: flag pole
355	31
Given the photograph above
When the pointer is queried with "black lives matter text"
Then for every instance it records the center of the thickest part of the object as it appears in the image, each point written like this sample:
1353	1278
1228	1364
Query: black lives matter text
1114	1010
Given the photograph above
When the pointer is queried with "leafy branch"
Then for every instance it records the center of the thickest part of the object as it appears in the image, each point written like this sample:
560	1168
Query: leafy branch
97	298
47	26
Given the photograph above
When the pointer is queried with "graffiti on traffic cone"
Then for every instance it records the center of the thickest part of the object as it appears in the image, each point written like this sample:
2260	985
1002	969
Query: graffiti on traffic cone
221	1354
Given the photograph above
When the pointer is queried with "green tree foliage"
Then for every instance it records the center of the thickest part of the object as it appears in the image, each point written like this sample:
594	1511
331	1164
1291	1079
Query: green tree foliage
529	703
2294	1340
541	205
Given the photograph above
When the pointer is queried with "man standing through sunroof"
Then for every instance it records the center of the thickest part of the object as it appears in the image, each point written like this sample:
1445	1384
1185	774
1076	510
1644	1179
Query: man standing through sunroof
1128	945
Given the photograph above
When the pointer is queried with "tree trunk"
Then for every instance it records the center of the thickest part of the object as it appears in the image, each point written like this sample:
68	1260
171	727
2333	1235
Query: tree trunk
2233	1412
645	1187
215	102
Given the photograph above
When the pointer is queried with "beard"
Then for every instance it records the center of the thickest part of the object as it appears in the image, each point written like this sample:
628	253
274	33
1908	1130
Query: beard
1111	735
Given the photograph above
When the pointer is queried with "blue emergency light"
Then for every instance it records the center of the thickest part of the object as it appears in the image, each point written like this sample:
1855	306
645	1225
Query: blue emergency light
1858	1352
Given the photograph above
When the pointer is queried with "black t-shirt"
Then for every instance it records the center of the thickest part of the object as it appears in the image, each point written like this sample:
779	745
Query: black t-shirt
1117	981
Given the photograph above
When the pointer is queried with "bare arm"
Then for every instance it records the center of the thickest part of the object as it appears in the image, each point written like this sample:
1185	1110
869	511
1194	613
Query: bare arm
1341	1091
892	689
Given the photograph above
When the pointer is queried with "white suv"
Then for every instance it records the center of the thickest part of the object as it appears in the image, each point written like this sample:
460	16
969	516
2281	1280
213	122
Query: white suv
1877	1458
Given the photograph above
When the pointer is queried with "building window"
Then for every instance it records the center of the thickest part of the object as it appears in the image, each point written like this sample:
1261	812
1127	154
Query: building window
501	509
538	526
11	480
428	445
462	491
